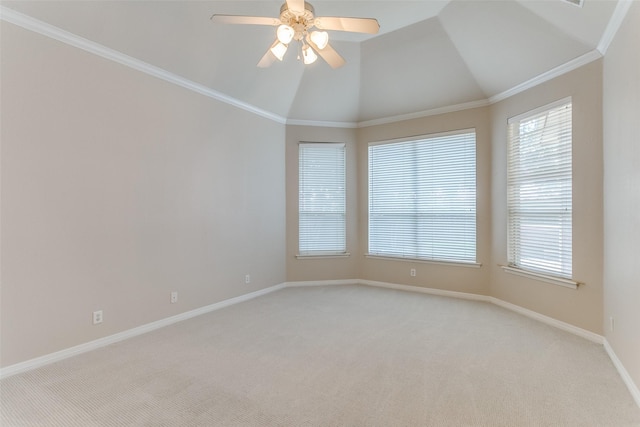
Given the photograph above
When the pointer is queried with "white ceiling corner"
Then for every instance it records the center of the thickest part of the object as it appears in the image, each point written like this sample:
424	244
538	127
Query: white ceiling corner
505	43
413	69
328	93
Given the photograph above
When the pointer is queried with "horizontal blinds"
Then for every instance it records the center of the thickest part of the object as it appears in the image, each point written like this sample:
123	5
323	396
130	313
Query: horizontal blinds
539	192
322	198
422	198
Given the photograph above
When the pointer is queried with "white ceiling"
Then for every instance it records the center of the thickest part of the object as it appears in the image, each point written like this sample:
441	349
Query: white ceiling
429	55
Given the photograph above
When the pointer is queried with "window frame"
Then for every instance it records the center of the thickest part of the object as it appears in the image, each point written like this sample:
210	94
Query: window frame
336	252
515	264
415	256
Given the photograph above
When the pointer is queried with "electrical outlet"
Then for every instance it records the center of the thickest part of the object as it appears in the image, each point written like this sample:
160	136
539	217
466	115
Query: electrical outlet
174	297
247	278
97	317
413	272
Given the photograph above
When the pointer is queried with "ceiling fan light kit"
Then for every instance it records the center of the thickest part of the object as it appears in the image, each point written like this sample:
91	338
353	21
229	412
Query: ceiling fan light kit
285	34
278	49
308	55
297	20
320	38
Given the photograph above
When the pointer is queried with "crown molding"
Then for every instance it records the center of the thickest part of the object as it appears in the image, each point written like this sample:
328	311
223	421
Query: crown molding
614	24
325	124
549	75
424	113
47	30
391	119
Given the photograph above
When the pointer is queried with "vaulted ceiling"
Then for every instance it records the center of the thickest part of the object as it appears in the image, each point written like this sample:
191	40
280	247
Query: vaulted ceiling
429	55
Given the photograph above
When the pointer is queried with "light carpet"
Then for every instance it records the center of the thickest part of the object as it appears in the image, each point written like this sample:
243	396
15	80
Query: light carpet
333	356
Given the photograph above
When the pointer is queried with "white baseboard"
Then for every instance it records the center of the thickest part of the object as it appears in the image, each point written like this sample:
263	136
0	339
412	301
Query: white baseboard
92	345
591	336
321	283
130	333
409	288
431	291
628	381
477	297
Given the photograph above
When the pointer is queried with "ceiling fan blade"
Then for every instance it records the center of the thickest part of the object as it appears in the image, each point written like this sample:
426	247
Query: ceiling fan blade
329	54
249	20
296	7
268	57
354	25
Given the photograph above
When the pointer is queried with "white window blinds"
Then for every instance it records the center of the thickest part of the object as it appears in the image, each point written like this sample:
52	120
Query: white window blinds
422	198
321	200
539	190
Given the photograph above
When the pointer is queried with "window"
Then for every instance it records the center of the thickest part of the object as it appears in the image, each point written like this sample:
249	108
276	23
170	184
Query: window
539	190
321	203
422	198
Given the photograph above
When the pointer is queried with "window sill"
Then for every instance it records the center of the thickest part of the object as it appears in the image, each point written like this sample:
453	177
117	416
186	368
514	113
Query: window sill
567	283
427	261
321	256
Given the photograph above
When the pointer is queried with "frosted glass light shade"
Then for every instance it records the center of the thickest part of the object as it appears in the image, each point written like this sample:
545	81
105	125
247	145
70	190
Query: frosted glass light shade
308	55
285	34
279	50
320	39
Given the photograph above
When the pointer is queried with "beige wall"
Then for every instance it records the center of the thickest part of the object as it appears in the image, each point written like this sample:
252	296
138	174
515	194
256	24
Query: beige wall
582	307
118	188
453	278
318	268
357	266
622	193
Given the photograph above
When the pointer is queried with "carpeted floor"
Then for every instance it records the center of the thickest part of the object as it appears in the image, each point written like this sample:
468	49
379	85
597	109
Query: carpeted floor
333	356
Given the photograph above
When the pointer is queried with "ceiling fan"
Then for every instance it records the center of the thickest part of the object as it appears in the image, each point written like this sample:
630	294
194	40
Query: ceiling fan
296	23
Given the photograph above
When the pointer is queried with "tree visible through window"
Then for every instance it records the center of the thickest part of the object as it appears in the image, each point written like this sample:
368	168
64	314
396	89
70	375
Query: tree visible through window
539	187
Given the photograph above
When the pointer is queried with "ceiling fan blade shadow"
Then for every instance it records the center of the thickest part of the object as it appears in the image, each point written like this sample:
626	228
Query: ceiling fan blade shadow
296	7
268	57
354	25
245	20
329	54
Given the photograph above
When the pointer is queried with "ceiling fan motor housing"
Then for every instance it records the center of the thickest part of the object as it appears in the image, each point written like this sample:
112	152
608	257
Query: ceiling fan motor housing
299	22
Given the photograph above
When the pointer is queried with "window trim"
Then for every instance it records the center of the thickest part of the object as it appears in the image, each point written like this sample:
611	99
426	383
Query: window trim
323	255
538	110
469	264
318	253
422	136
555	280
517	270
